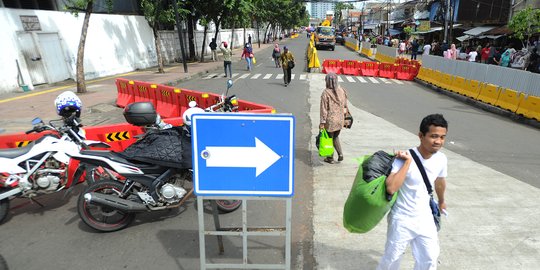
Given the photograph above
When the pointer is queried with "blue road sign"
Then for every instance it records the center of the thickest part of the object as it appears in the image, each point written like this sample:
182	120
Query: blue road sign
243	154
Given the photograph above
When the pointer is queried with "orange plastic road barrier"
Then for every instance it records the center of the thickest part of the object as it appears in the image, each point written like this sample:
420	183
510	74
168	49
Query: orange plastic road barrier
145	92
126	95
331	65
350	67
406	72
387	70
118	136
369	69
530	107
167	104
254	107
509	99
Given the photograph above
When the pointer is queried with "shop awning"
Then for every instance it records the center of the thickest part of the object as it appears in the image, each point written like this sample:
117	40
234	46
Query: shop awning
491	36
434	29
370	26
394	32
478	30
463	38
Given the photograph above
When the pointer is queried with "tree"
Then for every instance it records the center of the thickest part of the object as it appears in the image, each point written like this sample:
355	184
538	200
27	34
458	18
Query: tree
338	8
74	7
408	30
525	23
155	13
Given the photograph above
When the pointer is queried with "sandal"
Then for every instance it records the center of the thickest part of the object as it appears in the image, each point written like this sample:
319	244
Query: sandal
329	160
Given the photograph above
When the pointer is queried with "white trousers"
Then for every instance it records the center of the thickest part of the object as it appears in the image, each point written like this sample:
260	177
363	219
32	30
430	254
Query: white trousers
420	233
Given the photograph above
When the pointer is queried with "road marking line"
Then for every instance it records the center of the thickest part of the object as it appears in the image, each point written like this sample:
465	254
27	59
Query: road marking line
267	76
256	76
211	76
234	75
303	77
373	80
279	76
350	79
362	80
397	81
340	79
245	75
292	76
384	80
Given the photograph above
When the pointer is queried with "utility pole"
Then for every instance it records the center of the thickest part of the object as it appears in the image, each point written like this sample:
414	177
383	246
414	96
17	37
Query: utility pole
446	19
181	39
388	17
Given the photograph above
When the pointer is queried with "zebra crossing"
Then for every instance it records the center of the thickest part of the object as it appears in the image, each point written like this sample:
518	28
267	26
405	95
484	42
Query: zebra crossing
304	77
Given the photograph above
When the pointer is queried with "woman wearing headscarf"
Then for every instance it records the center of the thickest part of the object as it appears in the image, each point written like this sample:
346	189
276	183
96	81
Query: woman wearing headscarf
276	53
248	54
286	59
453	52
333	109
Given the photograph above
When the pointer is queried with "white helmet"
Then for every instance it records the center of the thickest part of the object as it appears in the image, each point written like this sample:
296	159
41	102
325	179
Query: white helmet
68	103
186	117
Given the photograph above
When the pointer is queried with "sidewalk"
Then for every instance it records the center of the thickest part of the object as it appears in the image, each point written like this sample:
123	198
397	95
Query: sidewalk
19	108
493	218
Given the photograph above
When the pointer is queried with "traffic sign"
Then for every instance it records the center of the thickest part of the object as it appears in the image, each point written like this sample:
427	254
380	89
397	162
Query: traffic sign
243	154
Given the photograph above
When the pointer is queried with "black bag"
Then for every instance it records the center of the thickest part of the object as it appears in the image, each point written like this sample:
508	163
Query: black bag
168	147
377	165
432	203
290	64
348	120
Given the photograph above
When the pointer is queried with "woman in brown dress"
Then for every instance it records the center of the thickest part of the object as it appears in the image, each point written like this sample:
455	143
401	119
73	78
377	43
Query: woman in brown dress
333	109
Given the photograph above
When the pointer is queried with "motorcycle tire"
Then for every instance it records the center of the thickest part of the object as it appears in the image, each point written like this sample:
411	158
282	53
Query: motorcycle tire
4	209
3	263
103	218
227	206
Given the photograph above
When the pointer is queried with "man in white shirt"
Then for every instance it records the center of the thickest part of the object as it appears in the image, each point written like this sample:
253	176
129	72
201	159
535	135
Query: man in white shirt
472	56
410	221
427	49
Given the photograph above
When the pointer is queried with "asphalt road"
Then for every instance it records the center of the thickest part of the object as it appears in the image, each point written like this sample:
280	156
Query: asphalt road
53	237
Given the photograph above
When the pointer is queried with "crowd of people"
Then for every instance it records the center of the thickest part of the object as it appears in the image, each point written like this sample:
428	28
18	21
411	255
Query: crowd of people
486	53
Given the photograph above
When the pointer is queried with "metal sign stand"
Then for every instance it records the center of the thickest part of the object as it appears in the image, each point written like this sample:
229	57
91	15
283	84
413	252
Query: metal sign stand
244	232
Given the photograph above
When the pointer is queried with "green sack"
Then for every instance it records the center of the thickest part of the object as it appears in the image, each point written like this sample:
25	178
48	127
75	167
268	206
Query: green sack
326	144
367	203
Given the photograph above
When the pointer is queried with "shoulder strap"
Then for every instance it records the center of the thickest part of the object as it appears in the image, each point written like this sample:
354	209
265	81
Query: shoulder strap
422	170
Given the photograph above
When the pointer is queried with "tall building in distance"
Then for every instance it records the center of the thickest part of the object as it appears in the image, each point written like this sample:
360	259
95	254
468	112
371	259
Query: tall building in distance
318	10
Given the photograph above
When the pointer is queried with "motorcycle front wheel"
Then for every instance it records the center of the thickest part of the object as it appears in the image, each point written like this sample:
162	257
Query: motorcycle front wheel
104	218
227	206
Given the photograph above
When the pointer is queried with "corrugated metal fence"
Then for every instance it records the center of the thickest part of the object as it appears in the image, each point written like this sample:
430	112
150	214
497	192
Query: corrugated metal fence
518	80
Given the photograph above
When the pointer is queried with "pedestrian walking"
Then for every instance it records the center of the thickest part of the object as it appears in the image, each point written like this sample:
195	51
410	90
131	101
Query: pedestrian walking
213	49
410	220
287	63
414	49
249	39
276	53
227	58
247	53
402	48
333	108
427	49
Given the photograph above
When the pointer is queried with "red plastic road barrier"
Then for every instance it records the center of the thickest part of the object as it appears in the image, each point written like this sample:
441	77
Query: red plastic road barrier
331	65
254	107
350	67
167	104
387	70
125	92
406	72
369	69
145	92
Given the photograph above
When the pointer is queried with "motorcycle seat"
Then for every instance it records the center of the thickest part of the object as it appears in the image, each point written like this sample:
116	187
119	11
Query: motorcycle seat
15	152
114	156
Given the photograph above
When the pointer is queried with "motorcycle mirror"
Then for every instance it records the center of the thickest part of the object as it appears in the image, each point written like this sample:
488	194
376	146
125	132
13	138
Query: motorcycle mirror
37	121
192	104
229	84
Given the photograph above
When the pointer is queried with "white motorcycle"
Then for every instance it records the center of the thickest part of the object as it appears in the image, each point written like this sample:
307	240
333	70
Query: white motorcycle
44	166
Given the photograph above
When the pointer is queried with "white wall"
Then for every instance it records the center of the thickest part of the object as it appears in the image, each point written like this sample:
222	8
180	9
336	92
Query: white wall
114	44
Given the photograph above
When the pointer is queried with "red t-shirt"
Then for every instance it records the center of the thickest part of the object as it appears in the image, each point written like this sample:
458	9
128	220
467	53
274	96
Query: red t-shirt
485	53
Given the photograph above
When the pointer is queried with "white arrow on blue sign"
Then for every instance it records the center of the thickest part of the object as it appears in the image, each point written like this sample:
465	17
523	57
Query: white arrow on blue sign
243	154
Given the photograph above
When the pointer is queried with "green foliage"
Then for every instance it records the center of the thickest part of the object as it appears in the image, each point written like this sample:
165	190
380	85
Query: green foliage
408	30
155	11
338	8
525	23
76	6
